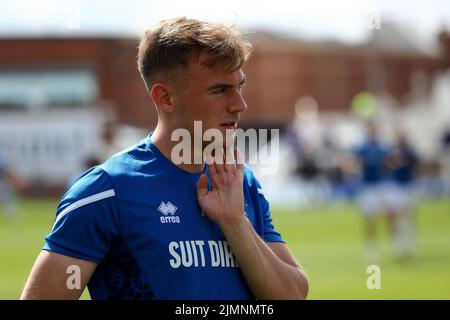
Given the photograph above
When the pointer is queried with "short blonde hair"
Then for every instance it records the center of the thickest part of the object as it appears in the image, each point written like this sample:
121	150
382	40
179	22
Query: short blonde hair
168	47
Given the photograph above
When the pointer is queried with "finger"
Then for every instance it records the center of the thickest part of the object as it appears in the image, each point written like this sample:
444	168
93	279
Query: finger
202	185
230	161
212	170
239	162
218	161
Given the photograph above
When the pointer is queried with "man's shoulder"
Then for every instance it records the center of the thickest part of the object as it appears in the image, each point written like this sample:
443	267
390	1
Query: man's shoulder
118	167
129	160
92	182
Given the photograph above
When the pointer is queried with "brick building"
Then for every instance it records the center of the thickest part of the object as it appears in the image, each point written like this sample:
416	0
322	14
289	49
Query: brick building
50	89
281	71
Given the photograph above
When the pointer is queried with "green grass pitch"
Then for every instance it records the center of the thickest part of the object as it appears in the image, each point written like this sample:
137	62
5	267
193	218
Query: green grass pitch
326	241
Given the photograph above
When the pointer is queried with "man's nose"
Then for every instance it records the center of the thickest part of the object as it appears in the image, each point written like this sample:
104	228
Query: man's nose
237	104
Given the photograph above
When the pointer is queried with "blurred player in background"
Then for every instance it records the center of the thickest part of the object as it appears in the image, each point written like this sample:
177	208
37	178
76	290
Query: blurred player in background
399	197
444	161
371	156
9	182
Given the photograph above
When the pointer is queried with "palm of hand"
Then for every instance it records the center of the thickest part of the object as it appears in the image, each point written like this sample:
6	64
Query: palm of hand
224	203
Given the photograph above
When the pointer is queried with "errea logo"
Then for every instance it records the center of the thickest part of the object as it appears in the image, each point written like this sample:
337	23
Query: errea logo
168	210
165	209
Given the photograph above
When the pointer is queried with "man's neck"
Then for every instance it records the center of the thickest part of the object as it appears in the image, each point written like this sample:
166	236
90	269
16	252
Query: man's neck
161	138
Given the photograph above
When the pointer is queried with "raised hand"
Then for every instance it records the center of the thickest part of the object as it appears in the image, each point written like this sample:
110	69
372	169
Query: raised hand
224	203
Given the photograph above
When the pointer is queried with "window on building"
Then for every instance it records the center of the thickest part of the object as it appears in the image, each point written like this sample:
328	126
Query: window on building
41	89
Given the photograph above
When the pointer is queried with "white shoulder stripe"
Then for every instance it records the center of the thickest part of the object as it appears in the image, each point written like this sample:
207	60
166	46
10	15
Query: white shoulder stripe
85	201
260	191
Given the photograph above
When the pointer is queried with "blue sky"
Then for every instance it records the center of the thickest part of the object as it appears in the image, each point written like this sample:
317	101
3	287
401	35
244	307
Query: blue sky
344	20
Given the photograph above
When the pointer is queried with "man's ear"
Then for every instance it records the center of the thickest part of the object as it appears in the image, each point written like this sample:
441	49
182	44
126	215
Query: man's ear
162	97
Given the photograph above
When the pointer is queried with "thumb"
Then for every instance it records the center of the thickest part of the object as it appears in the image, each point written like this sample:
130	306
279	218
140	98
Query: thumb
202	185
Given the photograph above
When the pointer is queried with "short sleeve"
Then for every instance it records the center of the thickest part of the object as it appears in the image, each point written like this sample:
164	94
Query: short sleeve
86	220
268	232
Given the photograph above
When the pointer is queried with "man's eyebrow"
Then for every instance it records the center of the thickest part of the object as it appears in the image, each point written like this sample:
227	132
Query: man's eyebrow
224	85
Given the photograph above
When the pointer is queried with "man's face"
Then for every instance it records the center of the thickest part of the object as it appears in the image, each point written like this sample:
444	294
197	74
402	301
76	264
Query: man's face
210	95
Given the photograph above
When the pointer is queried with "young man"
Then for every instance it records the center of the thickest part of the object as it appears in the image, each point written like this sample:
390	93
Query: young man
140	227
9	183
402	162
372	156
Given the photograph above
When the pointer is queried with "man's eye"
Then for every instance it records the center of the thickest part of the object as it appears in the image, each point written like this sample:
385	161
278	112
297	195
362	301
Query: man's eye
220	91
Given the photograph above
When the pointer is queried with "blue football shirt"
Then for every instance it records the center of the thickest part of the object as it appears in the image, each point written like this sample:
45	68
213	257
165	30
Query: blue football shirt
137	217
403	173
373	160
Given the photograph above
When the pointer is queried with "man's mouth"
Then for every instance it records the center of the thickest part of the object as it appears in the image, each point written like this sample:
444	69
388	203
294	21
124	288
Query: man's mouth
229	125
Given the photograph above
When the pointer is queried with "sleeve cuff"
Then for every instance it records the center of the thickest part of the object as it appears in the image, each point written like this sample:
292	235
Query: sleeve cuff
52	246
